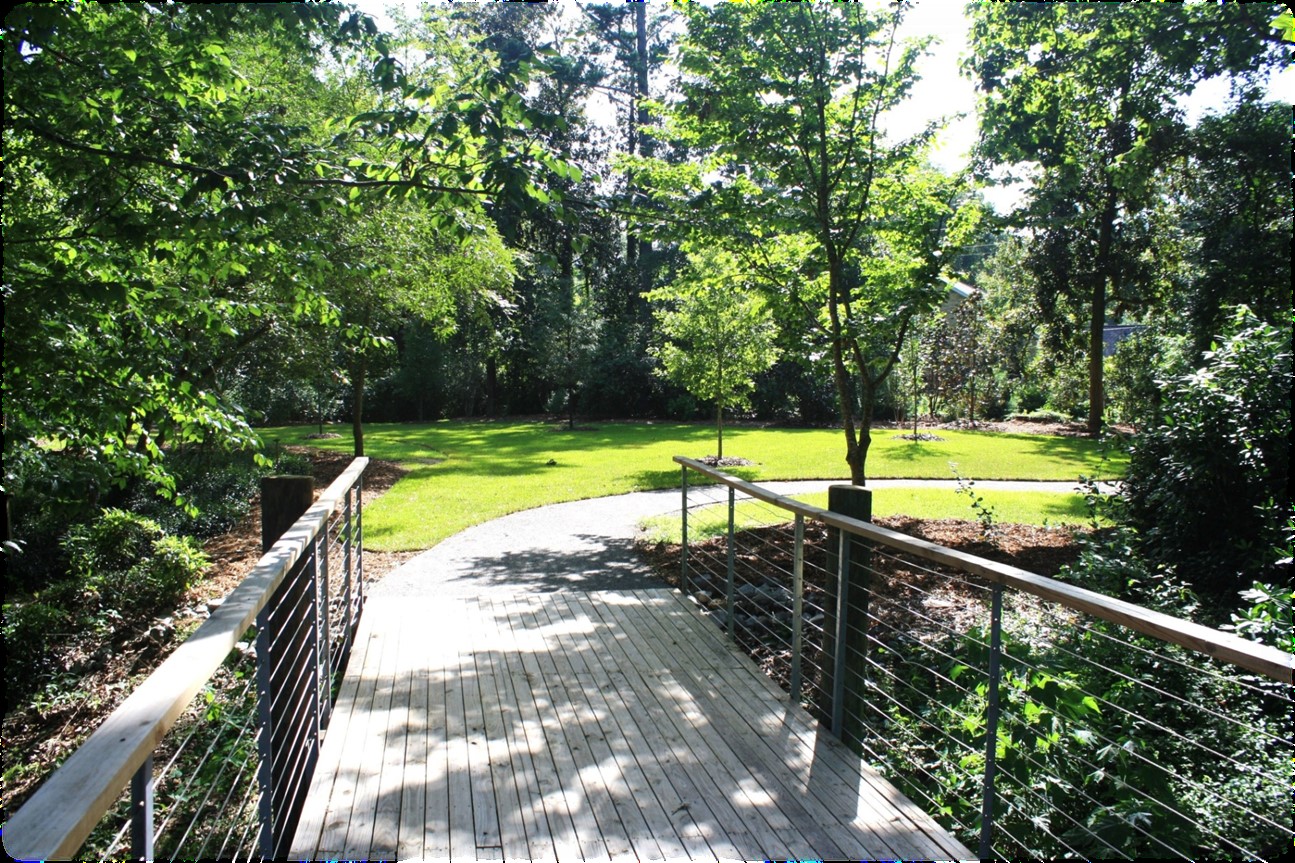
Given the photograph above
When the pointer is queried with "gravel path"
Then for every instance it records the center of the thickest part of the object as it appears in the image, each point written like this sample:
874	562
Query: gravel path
583	544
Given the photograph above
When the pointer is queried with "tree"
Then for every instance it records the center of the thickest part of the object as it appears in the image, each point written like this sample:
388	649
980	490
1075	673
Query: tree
958	356
397	266
1236	214
173	186
1006	288
1085	93
719	330
785	107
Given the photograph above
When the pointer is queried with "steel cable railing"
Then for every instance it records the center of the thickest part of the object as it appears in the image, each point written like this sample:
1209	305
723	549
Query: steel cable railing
222	775
1030	716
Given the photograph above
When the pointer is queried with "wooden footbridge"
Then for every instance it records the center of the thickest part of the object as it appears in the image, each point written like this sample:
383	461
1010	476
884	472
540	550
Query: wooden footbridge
594	726
569	720
560	725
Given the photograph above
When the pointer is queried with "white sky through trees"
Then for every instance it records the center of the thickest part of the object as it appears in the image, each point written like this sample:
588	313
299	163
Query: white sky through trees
942	90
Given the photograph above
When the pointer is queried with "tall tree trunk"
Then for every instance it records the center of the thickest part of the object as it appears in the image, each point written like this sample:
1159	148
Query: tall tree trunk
567	275
357	402
719	427
643	145
854	457
1096	343
867	398
917	369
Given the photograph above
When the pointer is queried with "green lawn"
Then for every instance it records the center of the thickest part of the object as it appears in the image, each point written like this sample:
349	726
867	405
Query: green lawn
1019	507
465	472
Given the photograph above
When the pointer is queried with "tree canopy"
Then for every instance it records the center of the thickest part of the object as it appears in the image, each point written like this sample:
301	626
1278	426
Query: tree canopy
1086	96
170	175
276	211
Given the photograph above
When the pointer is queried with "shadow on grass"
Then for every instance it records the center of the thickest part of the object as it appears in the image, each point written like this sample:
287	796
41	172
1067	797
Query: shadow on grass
1066	506
910	451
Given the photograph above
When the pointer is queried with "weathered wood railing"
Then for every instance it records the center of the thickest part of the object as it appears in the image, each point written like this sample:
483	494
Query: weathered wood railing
303	630
906	651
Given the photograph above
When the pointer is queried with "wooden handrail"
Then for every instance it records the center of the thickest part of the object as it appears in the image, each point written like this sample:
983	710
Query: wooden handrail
55	821
1263	659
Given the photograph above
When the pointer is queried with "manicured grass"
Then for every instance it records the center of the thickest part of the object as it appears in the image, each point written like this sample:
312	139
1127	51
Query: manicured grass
1010	507
488	469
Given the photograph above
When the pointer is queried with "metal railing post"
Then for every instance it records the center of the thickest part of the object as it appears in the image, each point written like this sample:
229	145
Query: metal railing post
323	638
797	607
319	596
346	579
359	546
991	723
141	812
265	722
842	604
730	586
683	552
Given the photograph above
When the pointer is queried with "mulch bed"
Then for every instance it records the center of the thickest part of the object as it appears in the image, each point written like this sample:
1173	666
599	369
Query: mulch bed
910	599
725	461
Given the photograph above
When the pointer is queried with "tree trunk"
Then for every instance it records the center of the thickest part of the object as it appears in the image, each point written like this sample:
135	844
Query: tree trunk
492	385
357	403
719	427
867	395
1119	145
853	456
643	145
917	369
1096	343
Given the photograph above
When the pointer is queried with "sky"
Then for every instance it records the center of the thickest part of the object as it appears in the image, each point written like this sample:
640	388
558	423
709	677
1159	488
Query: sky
943	92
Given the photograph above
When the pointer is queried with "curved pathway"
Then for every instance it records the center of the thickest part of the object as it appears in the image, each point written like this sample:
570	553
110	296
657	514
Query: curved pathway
584	544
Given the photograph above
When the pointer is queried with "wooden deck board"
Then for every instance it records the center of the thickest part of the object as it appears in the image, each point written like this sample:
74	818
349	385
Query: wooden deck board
792	740
862	793
527	834
539	669
604	790
594	726
637	758
549	807
752	798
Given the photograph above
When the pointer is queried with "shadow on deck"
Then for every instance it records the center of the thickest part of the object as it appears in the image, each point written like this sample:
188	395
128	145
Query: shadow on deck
584	725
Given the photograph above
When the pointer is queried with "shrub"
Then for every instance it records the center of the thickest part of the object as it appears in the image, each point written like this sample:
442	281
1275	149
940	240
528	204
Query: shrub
218	485
129	563
1207	488
1141	361
31	630
1041	416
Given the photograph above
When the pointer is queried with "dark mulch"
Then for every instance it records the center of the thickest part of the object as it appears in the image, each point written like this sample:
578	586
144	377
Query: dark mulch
909	597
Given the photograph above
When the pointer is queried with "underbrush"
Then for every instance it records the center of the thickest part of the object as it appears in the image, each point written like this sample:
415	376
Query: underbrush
100	585
219	486
205	788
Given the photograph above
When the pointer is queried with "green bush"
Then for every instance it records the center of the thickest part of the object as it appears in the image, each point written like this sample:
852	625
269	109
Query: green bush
31	629
1042	416
1133	375
129	563
1207	489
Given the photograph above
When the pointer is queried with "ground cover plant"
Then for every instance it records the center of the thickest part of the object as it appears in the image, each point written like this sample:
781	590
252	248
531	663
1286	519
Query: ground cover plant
462	472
